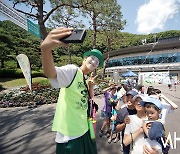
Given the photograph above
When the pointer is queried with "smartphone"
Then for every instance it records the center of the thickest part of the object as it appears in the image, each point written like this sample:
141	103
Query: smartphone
77	36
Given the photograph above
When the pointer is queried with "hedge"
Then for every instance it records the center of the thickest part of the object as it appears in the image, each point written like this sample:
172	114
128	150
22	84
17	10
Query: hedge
17	73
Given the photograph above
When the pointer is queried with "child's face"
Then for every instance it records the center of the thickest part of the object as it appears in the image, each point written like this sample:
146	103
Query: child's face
151	113
130	101
113	91
137	104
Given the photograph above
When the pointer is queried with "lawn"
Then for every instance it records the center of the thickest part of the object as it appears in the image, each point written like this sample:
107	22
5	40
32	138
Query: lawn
11	83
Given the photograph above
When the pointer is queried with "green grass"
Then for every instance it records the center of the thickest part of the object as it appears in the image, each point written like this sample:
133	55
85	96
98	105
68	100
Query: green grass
11	83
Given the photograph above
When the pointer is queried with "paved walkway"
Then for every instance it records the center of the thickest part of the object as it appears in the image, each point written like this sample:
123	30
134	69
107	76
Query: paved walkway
27	131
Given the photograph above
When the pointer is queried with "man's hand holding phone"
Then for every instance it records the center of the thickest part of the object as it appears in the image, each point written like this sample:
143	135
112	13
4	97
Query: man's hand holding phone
53	38
77	36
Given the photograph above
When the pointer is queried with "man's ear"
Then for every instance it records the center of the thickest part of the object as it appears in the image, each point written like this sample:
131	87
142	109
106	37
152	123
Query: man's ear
85	58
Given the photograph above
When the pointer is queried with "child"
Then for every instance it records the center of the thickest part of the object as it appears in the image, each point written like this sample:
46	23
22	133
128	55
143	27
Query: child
113	118
122	116
167	105
153	128
107	109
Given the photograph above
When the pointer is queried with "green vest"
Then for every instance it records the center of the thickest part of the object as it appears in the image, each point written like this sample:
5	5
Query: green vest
71	112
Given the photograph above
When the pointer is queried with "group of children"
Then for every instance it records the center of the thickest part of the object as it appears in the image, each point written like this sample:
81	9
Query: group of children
138	116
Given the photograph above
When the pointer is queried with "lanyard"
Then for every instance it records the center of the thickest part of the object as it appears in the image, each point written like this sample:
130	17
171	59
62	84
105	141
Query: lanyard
89	111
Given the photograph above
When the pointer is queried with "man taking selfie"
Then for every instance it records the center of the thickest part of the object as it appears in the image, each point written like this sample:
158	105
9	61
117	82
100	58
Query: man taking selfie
70	120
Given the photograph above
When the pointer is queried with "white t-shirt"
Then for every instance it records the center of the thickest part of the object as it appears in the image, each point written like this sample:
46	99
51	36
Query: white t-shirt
65	75
134	125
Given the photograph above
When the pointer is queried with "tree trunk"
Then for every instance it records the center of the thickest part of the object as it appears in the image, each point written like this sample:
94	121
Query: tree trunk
94	30
69	53
104	67
106	61
43	30
2	63
17	64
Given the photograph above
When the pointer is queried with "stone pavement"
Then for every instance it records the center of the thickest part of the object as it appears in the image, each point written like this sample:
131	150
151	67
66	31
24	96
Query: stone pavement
27	131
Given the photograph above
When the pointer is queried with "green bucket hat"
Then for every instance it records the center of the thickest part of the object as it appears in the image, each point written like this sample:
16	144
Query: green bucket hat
95	53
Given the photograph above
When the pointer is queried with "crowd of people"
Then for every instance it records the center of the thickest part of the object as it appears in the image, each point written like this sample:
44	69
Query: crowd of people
137	118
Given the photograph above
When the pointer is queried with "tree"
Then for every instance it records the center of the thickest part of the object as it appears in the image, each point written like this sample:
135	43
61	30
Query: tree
105	15
5	46
36	10
16	40
66	17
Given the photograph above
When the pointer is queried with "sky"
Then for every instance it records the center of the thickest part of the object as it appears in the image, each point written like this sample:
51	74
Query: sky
147	16
150	16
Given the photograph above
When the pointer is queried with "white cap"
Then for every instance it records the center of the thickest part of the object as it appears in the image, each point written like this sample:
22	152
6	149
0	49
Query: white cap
138	96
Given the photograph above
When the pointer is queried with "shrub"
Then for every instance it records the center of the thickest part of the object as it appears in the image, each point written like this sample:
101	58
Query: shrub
17	73
11	73
39	73
1	87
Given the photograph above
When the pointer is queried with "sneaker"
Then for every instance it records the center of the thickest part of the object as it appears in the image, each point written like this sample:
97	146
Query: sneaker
116	140
101	133
108	134
121	147
109	140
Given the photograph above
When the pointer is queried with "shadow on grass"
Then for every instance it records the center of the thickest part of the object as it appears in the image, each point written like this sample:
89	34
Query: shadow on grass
6	79
2	88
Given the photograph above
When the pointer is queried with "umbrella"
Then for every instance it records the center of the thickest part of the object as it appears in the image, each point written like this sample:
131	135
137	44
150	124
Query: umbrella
129	74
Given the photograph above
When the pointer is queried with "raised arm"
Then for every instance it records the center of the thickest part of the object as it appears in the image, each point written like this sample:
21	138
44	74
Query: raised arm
169	101
106	89
91	82
51	41
120	127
